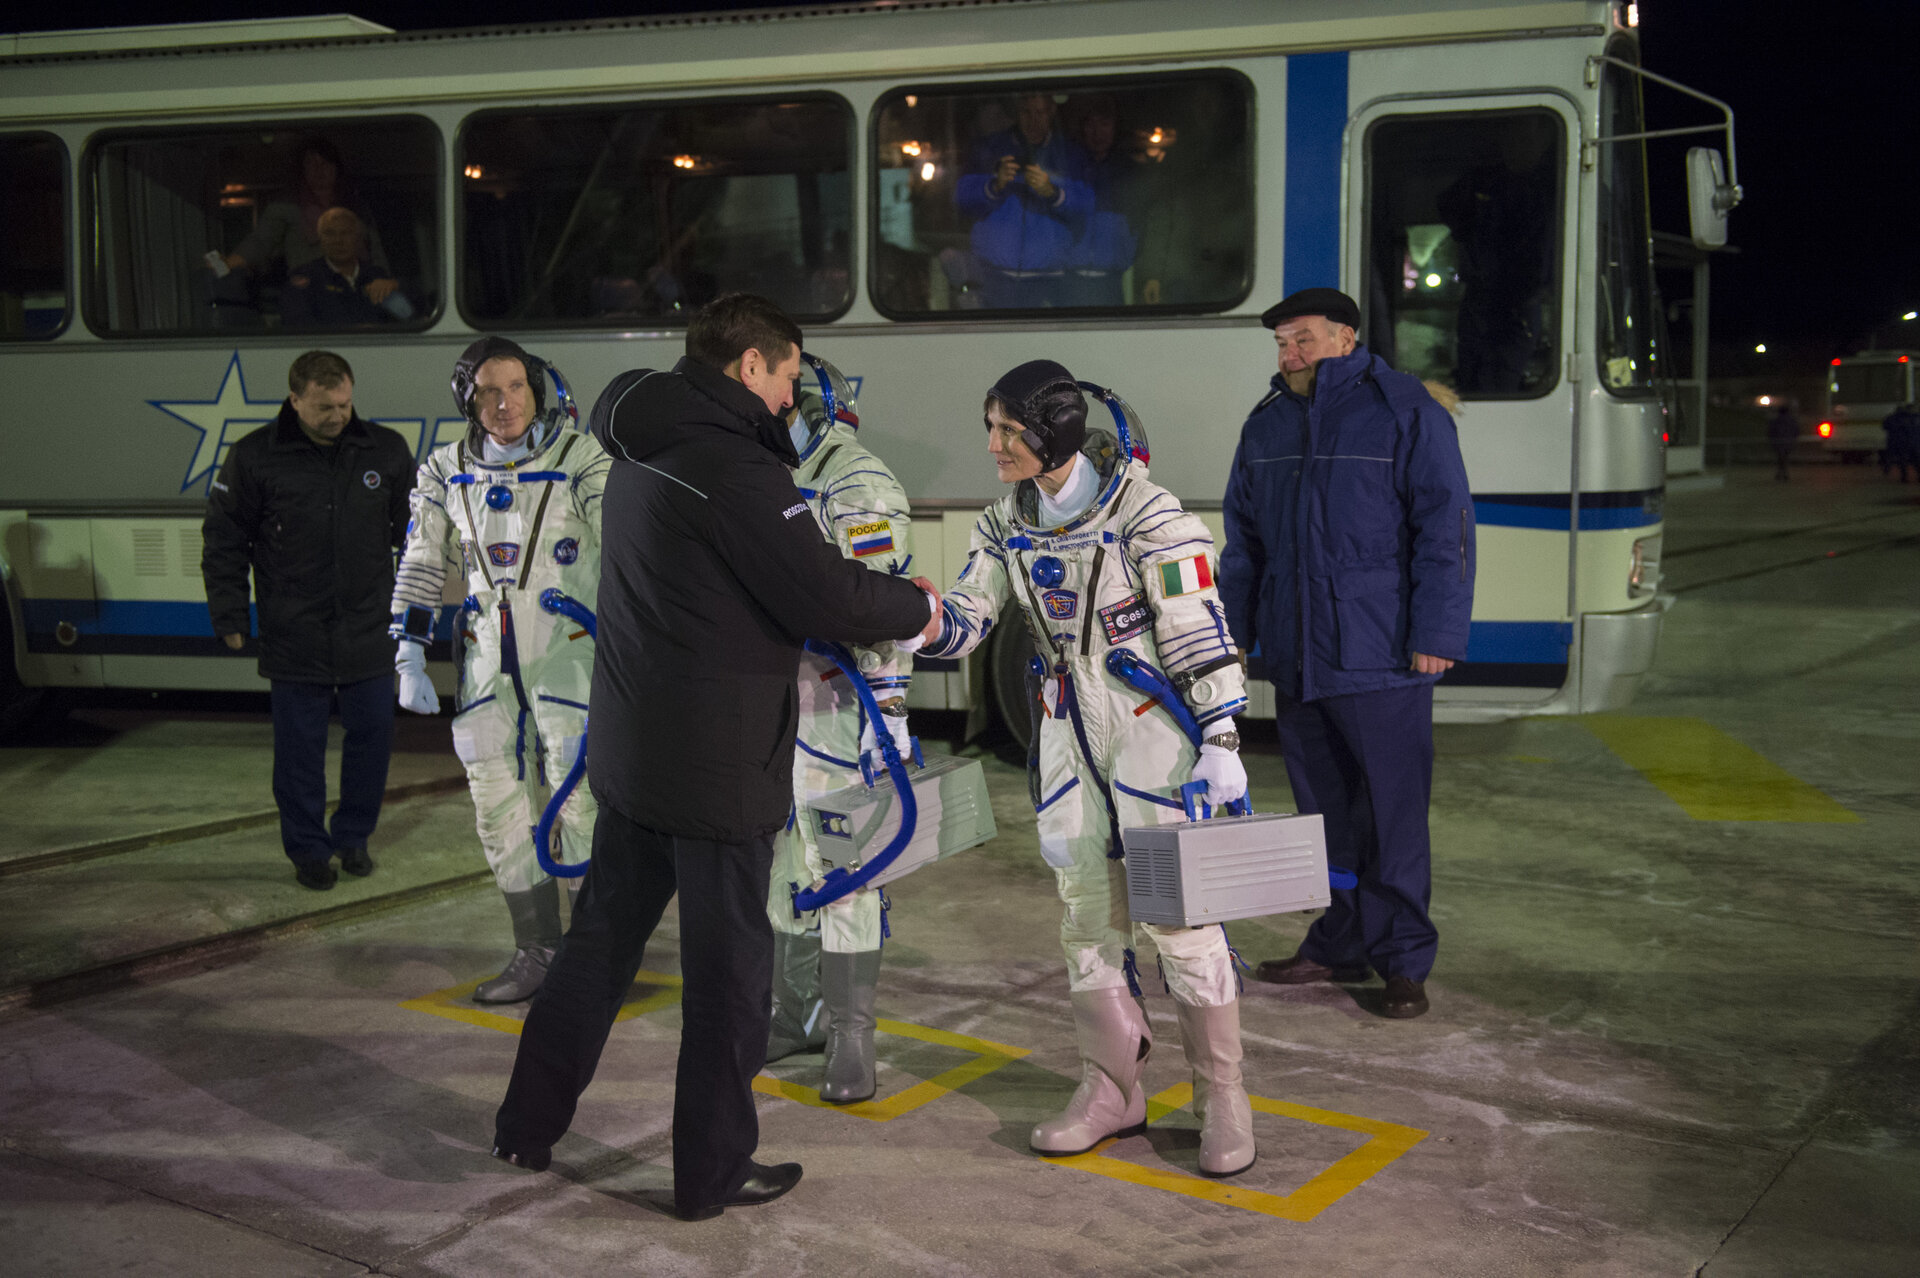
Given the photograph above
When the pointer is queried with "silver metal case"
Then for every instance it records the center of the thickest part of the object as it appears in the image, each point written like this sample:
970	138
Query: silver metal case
1227	868
856	823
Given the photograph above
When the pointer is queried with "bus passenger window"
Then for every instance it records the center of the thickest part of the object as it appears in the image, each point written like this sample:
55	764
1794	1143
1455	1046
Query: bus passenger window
228	228
606	217
1463	248
33	252
1093	196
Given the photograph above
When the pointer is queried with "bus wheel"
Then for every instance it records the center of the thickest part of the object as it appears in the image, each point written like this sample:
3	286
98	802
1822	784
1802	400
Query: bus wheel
1007	664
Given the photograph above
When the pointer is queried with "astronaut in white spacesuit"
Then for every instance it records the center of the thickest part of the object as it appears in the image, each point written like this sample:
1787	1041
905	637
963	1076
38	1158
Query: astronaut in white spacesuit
516	504
1096	556
835	951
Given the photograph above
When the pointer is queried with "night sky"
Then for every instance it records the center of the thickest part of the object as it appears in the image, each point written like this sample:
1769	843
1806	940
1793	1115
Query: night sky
1826	101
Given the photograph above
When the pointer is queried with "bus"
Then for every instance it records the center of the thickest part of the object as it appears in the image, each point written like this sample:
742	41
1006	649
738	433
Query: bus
1474	175
1861	391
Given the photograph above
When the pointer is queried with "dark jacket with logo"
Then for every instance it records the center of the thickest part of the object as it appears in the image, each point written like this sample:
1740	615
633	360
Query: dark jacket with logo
712	574
317	527
1349	532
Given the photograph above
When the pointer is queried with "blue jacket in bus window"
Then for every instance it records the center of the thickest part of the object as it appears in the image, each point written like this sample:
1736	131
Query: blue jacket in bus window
1017	230
1349	532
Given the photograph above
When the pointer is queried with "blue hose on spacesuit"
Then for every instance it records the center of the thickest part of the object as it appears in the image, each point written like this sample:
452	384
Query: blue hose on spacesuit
840	882
1127	667
560	605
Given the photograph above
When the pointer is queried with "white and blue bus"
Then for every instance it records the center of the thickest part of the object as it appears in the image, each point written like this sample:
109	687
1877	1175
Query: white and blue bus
1472	174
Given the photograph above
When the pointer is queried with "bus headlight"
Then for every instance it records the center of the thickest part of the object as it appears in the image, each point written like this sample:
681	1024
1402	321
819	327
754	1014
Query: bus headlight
1643	578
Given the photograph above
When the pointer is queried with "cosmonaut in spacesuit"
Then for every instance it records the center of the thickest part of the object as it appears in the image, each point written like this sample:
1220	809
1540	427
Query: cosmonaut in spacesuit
517	505
1096	556
835	951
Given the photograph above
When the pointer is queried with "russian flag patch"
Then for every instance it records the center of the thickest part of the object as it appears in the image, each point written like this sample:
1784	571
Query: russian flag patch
871	539
1185	577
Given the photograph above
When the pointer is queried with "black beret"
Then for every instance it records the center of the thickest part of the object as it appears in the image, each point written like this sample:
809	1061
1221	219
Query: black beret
1329	302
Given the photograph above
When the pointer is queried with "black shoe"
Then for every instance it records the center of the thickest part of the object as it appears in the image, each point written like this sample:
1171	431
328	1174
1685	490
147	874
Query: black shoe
1405	999
532	1159
765	1185
355	861
1301	970
318	875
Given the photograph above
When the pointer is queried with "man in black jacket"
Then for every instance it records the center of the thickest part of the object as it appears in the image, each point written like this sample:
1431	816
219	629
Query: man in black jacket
315	505
712	574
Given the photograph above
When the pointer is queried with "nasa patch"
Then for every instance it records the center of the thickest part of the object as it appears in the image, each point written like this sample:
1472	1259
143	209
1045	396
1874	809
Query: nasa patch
566	550
371	479
1061	605
504	554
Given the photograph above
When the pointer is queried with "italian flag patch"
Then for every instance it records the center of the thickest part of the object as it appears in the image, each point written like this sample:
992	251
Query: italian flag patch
1185	576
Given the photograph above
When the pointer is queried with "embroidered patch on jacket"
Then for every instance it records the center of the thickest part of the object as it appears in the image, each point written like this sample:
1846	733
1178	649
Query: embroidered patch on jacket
797	508
1127	618
871	539
504	554
566	550
1185	577
371	479
1061	605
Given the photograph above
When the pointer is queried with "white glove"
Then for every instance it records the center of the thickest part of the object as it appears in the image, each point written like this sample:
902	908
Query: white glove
1223	772
416	690
902	740
919	641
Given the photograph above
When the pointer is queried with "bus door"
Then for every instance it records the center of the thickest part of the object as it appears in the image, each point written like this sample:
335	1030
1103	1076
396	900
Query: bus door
1462	256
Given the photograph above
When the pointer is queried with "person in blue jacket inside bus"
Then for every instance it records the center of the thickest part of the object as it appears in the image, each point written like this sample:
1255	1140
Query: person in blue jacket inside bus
1349	573
1027	193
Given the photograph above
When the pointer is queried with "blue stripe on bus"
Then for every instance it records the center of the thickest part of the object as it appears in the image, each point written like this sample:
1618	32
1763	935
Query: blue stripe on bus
1316	124
175	618
1511	642
1599	511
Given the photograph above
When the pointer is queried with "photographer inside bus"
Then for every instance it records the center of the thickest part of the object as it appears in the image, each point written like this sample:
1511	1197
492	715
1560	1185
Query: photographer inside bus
1028	196
313	505
337	289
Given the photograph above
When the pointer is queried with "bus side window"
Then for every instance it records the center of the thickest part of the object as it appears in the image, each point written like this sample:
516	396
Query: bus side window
221	228
1463	248
605	216
1102	196
33	252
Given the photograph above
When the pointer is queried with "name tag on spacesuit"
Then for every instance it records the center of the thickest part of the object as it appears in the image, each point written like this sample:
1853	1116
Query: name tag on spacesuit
1127	618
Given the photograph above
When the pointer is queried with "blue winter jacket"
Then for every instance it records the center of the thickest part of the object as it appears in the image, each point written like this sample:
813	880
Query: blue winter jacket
1017	230
1349	532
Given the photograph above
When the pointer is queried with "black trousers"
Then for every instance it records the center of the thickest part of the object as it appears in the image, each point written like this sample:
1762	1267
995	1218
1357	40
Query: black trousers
300	715
1365	763
726	964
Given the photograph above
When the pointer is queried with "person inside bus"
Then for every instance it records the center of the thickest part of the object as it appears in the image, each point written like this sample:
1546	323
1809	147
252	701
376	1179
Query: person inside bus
1348	573
1104	248
336	289
1027	195
288	232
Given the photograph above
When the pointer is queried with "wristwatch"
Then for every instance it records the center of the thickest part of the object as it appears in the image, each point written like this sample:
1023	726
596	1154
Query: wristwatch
1226	741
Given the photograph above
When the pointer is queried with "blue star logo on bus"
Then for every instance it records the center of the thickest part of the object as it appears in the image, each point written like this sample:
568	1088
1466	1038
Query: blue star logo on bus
221	420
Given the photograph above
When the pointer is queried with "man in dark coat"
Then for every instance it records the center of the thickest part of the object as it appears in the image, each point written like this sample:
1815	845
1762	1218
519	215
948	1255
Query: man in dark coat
1783	432
315	505
1349	570
712	575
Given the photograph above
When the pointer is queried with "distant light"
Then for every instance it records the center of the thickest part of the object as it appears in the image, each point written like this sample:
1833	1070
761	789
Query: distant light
1433	279
475	172
1633	15
1836	363
683	161
1665	438
1911	315
1903	359
1766	400
1157	136
1761	349
927	171
910	148
1826	430
912	101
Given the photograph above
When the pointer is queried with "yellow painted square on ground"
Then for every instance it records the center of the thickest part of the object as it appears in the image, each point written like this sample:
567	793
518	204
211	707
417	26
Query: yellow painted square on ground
988	1056
1385	1142
1709	774
451	1003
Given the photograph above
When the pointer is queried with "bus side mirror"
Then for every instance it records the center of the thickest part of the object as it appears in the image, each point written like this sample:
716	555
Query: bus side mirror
1709	197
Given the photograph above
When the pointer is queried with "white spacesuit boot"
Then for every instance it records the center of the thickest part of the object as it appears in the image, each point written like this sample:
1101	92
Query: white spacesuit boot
799	1016
536	935
1211	1036
1111	1026
849	983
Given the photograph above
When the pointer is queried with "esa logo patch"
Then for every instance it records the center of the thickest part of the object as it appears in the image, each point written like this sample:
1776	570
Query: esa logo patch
504	554
566	550
371	479
1127	618
1061	605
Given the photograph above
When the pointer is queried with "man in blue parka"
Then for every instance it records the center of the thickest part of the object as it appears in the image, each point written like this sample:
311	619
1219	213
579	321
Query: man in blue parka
1027	193
1349	573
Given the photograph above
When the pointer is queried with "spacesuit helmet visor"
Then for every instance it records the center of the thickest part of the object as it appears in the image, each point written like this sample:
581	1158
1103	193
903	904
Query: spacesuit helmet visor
1047	402
823	396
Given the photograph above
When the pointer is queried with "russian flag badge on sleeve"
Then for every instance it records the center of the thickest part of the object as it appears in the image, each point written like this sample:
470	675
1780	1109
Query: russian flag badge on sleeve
1185	577
871	539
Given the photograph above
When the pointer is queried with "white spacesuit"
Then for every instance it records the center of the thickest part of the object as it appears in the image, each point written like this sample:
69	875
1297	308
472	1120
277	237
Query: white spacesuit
519	520
1109	560
835	950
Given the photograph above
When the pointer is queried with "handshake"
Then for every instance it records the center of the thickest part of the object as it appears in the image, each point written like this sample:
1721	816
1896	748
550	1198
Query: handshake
933	626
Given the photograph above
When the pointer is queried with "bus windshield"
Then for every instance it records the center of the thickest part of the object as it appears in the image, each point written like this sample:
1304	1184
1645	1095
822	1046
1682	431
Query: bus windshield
1880	382
1625	276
